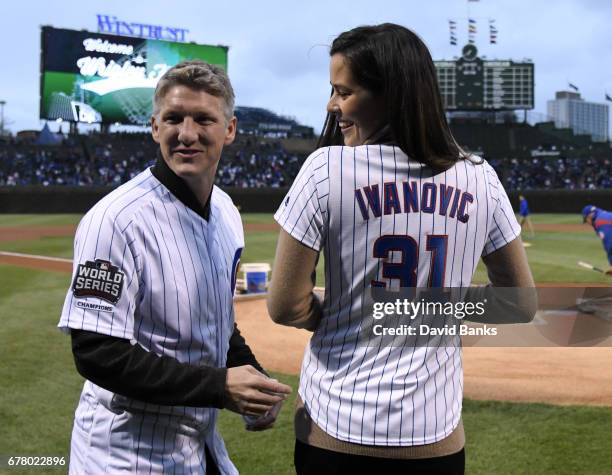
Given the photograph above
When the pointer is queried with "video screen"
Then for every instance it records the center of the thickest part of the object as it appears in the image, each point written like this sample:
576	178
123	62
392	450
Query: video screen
94	77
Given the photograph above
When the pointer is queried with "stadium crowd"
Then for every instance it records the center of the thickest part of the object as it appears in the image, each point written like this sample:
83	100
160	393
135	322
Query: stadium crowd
255	167
251	162
112	159
554	173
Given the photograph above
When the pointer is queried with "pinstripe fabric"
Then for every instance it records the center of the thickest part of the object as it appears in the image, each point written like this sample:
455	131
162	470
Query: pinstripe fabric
176	301
341	202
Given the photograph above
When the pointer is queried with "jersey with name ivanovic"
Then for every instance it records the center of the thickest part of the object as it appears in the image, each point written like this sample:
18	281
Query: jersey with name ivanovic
361	205
149	269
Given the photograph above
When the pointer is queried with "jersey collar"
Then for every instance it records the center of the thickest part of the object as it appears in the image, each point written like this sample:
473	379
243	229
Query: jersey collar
177	186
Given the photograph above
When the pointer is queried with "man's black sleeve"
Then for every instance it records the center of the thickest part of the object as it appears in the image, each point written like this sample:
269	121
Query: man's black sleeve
118	366
240	354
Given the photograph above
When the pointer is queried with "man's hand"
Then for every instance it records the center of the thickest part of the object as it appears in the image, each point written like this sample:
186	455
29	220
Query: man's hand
264	422
249	392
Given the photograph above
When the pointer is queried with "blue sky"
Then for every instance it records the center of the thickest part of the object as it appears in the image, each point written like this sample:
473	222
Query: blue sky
278	55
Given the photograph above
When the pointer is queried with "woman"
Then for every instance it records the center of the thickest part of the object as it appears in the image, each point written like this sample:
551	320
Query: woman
392	202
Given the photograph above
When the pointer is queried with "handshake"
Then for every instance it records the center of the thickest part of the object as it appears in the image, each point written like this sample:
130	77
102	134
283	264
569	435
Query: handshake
254	395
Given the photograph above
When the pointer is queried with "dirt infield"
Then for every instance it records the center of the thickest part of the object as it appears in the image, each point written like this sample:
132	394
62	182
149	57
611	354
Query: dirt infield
563	228
550	375
27	233
36	262
261	227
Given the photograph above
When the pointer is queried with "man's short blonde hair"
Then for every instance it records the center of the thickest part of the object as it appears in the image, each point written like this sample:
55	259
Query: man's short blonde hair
200	76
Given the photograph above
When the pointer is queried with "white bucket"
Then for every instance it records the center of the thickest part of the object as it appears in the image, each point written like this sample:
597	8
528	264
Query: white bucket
256	277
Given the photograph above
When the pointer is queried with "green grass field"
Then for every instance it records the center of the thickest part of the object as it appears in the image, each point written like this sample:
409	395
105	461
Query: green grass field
40	386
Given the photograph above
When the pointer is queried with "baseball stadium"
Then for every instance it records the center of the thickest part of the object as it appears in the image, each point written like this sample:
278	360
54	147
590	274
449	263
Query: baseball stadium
531	406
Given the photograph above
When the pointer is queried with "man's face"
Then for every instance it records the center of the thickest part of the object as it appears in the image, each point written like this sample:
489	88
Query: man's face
191	130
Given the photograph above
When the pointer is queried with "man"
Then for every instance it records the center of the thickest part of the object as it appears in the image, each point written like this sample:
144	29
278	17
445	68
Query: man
150	309
601	221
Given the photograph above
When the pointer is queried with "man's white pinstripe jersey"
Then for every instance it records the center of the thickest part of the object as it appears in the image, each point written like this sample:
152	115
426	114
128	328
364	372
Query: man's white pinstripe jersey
371	208
149	269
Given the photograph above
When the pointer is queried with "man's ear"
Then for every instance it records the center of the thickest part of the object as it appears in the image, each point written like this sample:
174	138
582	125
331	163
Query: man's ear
154	129
230	131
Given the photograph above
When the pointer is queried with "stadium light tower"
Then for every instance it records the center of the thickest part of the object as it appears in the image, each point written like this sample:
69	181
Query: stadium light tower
2	117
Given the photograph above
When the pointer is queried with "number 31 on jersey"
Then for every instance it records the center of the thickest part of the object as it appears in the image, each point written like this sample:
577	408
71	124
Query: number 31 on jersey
405	271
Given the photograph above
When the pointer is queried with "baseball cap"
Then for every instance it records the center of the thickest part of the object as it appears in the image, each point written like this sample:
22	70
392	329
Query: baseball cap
588	209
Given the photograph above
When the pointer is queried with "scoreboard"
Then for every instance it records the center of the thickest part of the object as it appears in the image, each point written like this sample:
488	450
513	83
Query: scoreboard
471	83
99	78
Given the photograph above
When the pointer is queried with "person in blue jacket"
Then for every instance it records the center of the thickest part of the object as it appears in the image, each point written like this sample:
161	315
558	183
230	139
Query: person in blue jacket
601	220
524	214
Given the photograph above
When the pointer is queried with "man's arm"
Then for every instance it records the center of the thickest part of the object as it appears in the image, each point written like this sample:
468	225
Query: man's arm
240	354
118	366
243	363
130	370
291	300
242	358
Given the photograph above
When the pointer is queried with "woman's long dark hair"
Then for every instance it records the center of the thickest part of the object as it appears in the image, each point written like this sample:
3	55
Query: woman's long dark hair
391	61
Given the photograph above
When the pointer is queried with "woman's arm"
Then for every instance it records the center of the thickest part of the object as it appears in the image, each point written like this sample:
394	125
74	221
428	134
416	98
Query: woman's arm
291	300
508	268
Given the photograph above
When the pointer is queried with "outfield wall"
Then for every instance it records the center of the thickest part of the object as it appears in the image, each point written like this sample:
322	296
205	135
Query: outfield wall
64	199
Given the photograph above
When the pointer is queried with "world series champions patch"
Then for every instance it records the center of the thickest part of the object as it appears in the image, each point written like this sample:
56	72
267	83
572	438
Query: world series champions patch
99	279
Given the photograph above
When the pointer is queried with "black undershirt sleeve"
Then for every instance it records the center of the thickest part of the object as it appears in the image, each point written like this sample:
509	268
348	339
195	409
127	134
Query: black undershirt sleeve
129	370
240	354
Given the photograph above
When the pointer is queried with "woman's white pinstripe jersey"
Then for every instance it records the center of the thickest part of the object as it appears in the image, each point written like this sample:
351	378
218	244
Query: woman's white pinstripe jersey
385	220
